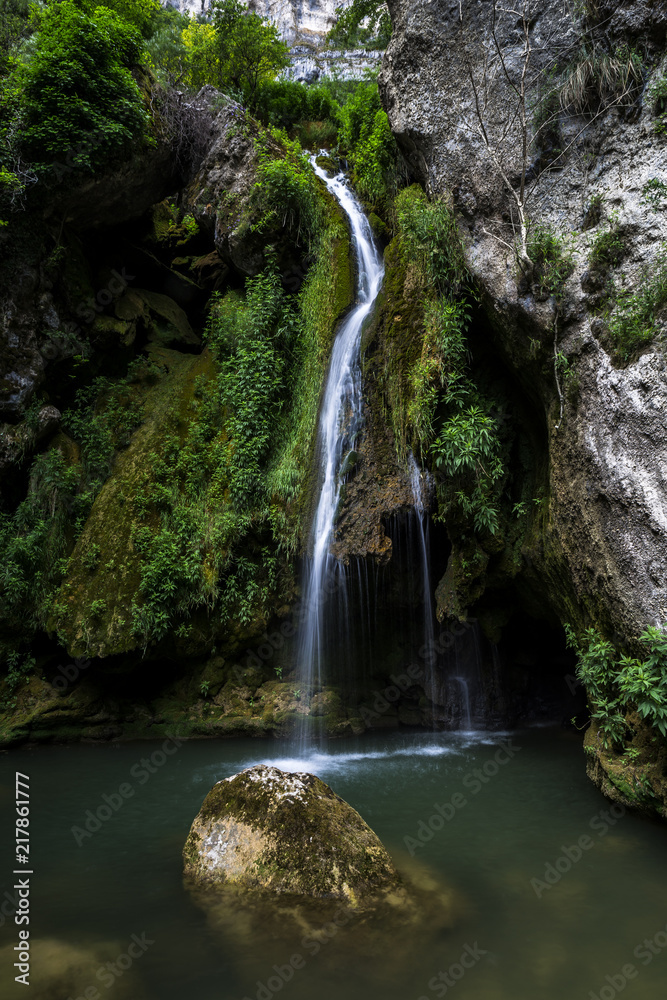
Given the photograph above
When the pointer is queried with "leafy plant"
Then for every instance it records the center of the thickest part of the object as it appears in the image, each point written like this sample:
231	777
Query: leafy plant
429	235
608	247
552	260
468	447
348	31
19	667
34	539
634	321
619	684
78	83
367	141
654	193
204	688
657	95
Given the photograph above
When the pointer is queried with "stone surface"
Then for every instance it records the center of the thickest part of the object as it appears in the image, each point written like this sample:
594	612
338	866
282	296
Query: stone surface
271	830
604	551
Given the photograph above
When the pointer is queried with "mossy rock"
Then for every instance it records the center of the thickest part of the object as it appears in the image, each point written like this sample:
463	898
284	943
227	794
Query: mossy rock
275	831
116	573
380	229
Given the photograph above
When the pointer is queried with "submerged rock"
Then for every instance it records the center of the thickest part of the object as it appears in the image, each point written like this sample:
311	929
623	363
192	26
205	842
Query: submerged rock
287	833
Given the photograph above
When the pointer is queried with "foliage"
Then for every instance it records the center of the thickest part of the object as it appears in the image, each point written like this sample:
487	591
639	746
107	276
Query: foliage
286	194
202	55
165	48
447	414
348	31
596	671
440	367
468	447
34	539
551	258
621	684
428	234
140	13
15	24
249	48
654	193
19	667
103	418
367	141
77	84
608	247
284	103
657	95
634	322
244	337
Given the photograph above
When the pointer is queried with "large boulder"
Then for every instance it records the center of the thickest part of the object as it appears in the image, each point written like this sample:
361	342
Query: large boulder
271	830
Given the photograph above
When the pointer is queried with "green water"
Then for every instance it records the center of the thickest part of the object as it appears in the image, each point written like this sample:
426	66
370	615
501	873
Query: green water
88	899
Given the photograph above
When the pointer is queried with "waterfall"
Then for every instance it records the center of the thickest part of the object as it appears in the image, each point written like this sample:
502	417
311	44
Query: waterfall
420	486
340	421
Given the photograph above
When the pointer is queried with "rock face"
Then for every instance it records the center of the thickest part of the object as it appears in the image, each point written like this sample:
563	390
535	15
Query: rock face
296	20
603	558
286	833
599	556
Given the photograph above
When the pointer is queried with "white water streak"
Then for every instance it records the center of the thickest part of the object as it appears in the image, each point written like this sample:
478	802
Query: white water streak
339	422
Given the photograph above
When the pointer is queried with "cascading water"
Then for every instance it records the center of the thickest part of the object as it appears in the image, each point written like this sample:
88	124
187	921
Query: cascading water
420	485
339	424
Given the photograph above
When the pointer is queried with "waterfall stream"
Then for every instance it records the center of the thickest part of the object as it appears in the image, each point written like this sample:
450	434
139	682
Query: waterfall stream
340	420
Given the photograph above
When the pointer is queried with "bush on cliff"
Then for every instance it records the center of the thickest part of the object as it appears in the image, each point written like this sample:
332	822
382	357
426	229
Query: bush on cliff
73	98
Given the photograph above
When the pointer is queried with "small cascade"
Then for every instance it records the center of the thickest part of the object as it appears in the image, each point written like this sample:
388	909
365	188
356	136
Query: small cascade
420	483
326	579
466	700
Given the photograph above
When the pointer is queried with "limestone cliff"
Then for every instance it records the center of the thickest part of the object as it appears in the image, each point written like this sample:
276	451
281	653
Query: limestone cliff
587	164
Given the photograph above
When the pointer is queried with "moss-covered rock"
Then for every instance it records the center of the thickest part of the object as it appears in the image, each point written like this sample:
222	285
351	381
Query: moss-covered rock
286	833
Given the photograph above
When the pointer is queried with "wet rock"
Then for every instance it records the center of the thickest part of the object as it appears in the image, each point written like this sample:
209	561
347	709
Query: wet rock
266	829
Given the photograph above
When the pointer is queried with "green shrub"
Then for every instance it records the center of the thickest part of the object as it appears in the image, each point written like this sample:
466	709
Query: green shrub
285	103
76	86
467	449
654	193
608	247
615	685
140	13
551	258
634	321
15	25
102	420
367	141
19	667
244	337
429	236
657	95
34	539
286	194
348	32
